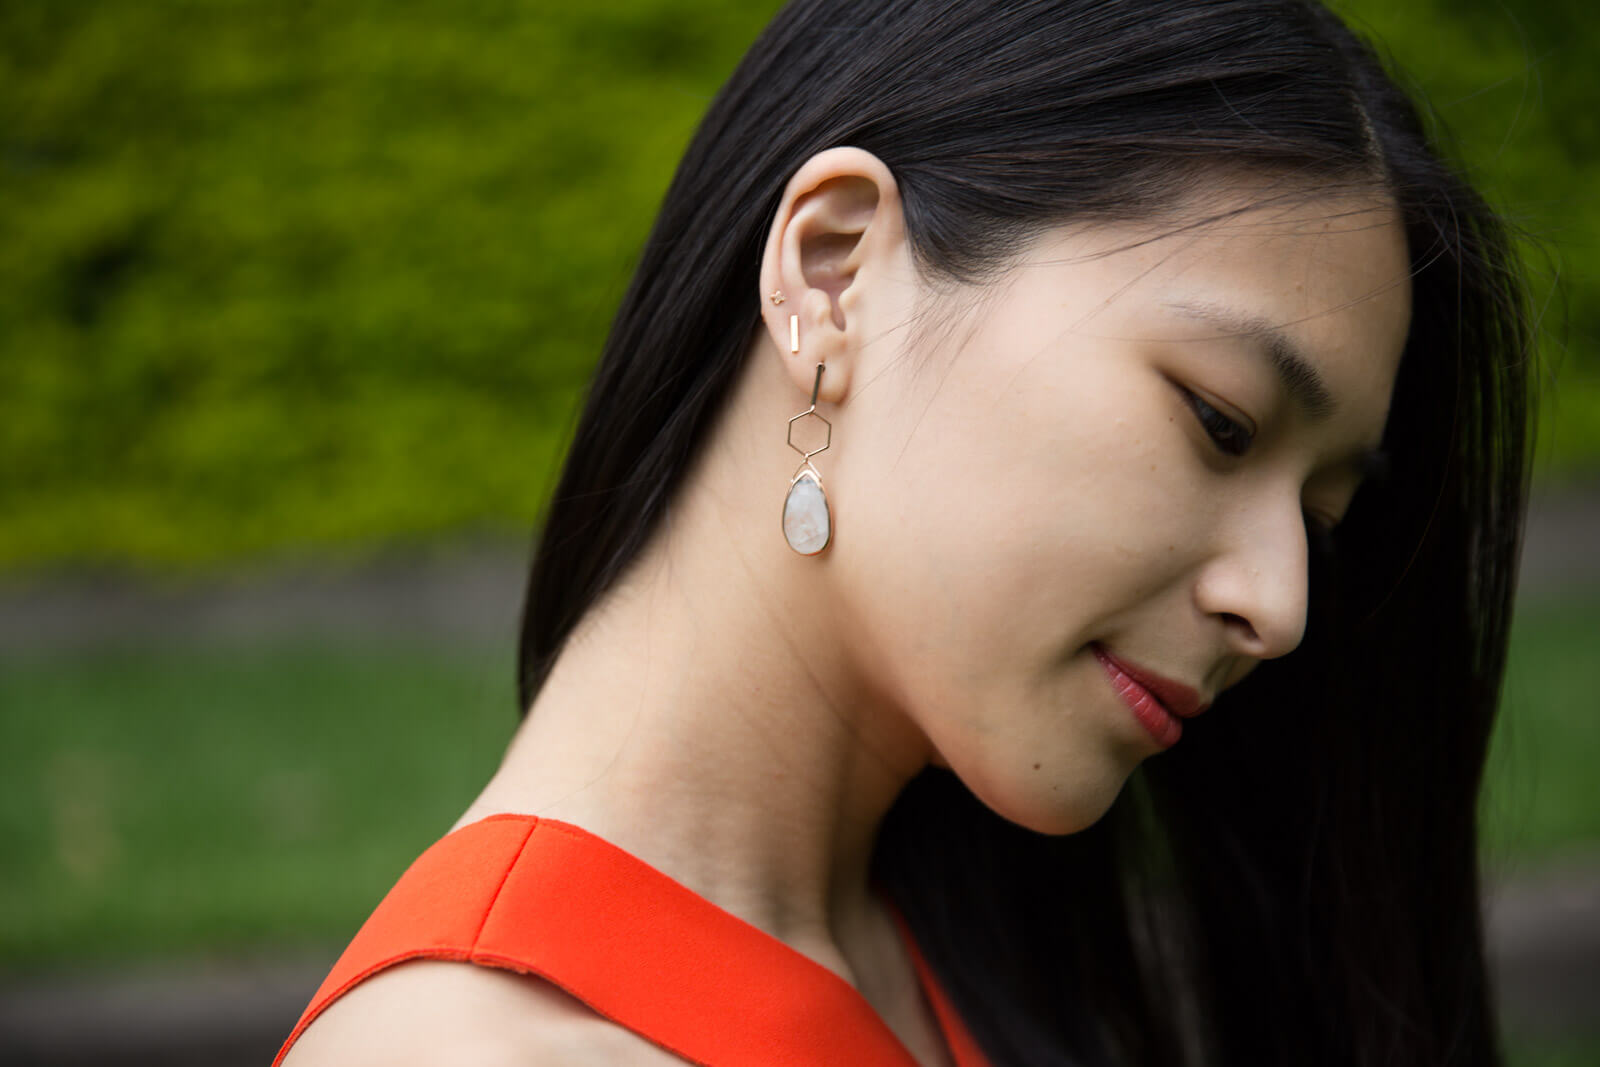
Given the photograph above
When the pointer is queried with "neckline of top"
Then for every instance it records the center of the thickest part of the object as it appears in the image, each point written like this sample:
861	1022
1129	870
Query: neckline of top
963	1049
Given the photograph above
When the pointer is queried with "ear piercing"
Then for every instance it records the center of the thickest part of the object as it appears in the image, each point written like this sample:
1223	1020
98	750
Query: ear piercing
807	522
776	296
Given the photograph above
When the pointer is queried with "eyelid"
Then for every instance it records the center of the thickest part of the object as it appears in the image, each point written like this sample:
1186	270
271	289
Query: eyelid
1225	408
1202	407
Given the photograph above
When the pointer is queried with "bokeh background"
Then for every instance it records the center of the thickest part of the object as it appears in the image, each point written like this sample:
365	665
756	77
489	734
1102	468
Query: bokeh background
297	304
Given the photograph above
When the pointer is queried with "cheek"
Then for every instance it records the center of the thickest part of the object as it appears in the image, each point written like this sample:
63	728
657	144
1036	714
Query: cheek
1017	513
989	554
1108	484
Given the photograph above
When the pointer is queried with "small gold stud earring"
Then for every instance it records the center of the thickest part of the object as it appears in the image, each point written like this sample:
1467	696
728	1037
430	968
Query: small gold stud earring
794	333
777	296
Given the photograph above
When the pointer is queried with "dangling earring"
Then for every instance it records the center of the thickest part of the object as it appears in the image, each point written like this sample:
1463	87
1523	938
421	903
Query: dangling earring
807	523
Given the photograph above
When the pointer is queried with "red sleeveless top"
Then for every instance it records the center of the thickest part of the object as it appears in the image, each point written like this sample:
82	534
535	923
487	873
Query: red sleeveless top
548	898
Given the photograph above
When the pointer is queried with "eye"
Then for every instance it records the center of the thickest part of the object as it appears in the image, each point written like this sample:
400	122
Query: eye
1231	437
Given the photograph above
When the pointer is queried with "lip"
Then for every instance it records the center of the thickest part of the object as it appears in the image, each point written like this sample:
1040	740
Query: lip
1147	695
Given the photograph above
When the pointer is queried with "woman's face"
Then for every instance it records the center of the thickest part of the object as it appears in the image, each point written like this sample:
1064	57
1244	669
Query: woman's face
1112	453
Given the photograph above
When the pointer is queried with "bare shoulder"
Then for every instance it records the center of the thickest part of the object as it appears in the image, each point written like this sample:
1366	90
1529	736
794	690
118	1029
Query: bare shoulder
429	1012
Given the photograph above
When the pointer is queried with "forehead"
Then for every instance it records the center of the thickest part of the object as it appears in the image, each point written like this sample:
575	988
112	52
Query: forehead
1330	273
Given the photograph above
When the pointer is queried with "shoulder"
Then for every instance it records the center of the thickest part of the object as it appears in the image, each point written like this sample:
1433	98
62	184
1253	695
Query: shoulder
429	1012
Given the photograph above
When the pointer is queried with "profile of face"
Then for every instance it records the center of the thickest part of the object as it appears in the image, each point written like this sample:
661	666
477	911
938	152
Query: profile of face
1095	470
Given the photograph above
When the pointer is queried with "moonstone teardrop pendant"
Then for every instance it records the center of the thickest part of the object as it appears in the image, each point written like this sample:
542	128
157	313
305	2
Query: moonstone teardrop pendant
807	525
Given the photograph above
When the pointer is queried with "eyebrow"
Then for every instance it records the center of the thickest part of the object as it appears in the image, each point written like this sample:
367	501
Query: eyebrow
1297	373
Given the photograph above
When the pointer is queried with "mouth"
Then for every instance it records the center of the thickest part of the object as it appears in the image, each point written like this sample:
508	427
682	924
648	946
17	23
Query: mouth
1157	702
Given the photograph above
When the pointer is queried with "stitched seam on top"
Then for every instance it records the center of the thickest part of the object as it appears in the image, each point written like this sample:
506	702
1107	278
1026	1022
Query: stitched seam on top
504	878
517	963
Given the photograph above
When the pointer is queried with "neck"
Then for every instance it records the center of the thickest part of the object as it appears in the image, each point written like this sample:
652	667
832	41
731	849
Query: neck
707	717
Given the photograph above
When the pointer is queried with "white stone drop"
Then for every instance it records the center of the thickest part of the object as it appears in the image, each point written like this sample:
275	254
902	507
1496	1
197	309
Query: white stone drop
805	516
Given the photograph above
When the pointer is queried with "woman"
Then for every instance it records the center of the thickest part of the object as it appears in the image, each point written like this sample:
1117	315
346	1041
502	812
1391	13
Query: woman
1116	685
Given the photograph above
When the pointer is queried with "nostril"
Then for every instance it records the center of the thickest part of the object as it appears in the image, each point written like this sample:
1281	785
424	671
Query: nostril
1241	623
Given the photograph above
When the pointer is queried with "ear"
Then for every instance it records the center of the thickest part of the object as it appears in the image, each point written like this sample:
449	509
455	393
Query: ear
837	231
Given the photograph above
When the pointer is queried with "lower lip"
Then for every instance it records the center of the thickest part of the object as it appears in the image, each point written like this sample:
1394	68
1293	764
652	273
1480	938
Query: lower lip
1152	715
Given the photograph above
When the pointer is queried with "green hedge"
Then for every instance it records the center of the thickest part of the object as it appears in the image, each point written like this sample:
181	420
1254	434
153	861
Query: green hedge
281	277
1513	83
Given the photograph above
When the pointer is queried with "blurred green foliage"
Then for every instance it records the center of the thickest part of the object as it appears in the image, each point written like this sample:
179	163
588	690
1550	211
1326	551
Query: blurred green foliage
279	274
1512	85
288	276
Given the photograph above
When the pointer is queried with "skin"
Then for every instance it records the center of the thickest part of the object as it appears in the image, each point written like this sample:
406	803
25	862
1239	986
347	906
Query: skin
1010	481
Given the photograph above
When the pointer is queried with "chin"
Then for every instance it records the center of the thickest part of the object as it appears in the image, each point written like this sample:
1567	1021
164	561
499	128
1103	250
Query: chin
1048	805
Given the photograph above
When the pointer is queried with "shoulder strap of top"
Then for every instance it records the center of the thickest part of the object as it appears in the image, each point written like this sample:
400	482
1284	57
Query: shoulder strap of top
548	898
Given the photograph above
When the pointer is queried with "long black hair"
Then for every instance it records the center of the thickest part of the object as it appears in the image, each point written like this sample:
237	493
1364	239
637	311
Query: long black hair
1298	881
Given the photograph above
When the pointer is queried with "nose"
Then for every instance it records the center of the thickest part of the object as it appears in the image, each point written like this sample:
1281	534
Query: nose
1257	583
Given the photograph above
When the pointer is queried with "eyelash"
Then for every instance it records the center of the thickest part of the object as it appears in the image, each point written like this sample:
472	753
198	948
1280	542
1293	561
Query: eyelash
1223	431
1226	435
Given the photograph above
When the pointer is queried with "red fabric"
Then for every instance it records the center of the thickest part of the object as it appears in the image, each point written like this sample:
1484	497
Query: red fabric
549	898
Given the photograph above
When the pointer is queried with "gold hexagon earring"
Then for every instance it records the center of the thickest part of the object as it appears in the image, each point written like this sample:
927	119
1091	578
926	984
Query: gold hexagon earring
807	522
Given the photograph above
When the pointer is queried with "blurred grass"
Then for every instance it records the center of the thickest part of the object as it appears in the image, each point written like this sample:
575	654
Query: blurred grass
279	277
1535	1052
164	800
1542	793
167	801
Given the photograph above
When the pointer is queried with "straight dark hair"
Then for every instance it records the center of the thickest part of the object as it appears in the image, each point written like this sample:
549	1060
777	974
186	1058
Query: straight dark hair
1298	881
